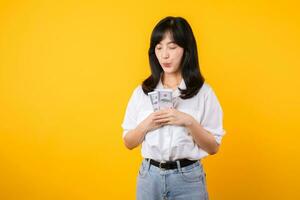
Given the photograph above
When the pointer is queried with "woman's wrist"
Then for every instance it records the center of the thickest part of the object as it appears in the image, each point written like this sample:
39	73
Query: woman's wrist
189	121
142	127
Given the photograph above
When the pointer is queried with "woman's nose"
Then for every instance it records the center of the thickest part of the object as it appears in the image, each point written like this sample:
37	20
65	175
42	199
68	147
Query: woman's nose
165	54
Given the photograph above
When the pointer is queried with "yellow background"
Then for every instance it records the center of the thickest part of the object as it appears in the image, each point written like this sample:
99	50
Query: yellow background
68	68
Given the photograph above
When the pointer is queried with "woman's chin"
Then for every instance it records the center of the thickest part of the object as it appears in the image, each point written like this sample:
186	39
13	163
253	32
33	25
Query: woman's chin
169	71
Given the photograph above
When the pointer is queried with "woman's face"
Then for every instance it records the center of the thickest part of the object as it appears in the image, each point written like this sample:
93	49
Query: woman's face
169	54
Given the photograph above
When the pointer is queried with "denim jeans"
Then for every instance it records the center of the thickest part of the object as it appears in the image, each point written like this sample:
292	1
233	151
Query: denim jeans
182	183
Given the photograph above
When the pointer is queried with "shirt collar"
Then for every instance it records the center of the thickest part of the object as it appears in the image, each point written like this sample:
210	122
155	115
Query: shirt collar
176	92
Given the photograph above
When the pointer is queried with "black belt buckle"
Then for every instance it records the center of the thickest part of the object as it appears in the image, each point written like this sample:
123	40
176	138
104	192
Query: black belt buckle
160	167
167	165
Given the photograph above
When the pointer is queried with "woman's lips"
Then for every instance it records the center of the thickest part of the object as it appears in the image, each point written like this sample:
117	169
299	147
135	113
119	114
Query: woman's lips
167	64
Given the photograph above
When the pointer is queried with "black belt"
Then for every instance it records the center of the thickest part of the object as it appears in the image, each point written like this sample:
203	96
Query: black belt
171	164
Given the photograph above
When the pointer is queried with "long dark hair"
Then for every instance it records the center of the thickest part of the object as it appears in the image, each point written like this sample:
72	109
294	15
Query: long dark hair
183	36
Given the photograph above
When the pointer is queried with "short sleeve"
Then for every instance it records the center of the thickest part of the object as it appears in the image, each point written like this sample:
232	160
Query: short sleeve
130	118
213	116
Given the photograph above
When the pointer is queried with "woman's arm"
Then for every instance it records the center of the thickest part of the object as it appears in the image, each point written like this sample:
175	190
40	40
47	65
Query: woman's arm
203	138
136	136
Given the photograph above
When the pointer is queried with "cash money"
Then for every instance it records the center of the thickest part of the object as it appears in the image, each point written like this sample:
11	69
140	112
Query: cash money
162	99
154	100
165	98
175	101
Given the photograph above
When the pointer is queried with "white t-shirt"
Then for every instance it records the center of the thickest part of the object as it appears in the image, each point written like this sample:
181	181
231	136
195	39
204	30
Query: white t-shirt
172	142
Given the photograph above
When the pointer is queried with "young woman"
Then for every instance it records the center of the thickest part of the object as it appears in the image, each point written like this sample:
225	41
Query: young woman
174	140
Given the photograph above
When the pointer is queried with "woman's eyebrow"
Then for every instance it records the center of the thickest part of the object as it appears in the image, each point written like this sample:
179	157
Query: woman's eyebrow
169	42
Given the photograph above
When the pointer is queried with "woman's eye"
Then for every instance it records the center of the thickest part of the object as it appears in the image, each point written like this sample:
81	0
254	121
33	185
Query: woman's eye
173	47
158	48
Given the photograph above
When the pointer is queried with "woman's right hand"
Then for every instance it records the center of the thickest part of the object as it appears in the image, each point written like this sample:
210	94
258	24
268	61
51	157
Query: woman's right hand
136	136
149	124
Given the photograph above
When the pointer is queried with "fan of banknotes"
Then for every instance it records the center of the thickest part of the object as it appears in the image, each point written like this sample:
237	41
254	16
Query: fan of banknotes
162	99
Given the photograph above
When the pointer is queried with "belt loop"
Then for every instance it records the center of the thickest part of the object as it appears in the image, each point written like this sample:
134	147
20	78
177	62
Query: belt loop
148	164
178	165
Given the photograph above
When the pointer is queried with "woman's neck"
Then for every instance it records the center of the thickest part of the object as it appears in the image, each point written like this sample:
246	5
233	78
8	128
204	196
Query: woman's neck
171	80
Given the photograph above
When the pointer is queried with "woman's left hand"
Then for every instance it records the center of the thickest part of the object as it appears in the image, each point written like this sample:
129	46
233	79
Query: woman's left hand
172	116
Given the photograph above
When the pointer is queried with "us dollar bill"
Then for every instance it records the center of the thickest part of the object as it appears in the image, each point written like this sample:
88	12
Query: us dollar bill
165	98
154	100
